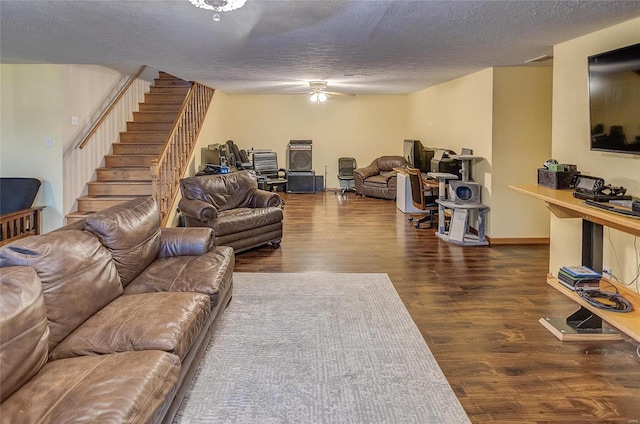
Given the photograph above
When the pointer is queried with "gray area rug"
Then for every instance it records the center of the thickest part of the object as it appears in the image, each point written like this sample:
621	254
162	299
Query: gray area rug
318	348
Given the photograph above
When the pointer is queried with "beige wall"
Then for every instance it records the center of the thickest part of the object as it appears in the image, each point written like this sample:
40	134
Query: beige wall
522	99
30	113
363	127
504	115
454	115
571	144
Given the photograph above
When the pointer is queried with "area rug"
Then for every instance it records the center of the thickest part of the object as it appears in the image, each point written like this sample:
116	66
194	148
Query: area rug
318	348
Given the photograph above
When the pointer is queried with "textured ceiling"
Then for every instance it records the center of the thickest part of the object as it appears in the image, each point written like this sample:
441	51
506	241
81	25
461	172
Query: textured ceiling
276	47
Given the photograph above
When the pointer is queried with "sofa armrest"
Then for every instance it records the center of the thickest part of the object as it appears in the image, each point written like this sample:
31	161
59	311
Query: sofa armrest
264	199
367	171
198	209
192	241
389	175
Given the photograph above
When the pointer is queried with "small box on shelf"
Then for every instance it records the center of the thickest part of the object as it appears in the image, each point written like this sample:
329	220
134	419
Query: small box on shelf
557	179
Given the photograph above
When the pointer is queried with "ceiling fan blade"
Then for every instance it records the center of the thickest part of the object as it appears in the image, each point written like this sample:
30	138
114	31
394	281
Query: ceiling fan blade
335	93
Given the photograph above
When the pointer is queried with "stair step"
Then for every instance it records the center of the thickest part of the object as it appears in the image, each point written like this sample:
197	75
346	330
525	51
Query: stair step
171	82
127	173
153	107
161	97
149	126
171	89
143	136
97	203
163	74
120	188
124	174
127	161
155	116
137	148
77	216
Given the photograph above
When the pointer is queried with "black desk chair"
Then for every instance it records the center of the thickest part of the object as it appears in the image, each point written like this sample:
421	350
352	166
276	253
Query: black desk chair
422	199
346	166
265	165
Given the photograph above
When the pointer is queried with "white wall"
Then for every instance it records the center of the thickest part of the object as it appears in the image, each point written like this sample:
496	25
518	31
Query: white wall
87	91
571	145
38	102
30	113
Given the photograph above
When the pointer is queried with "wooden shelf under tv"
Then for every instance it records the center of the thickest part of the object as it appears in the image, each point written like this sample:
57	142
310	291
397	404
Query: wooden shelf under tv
563	205
626	322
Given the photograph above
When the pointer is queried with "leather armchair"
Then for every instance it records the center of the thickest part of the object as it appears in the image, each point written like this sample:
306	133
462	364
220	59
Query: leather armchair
241	215
378	179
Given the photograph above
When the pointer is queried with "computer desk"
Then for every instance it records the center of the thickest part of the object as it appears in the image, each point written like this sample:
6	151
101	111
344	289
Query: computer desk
403	191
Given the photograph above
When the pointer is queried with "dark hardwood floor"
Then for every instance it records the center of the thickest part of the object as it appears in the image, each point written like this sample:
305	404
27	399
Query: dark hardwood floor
477	308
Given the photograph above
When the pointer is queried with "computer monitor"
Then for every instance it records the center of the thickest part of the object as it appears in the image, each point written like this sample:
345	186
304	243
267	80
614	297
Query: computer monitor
266	163
417	156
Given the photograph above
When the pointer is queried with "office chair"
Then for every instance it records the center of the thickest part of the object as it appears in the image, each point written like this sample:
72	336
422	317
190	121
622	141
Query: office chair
265	165
346	166
421	199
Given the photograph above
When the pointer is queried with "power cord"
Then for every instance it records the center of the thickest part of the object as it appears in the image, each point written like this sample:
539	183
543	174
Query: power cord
614	302
636	279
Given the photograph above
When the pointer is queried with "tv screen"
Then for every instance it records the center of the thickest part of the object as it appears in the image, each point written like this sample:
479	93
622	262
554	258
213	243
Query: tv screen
614	100
407	152
416	155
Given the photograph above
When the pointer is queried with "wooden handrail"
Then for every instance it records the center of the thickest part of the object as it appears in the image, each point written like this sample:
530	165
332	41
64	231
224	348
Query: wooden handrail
171	164
110	107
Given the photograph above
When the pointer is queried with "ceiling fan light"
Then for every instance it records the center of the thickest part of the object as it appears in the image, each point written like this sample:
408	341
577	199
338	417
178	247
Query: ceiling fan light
314	97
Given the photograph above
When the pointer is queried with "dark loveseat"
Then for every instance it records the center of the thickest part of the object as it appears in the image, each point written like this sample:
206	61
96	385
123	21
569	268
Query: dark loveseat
106	320
378	179
241	215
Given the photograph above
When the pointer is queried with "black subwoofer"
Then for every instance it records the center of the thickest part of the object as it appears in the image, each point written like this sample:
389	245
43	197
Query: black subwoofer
299	155
301	182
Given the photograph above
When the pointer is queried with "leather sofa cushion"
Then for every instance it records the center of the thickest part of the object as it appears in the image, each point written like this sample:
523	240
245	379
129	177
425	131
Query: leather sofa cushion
209	274
226	191
77	273
24	333
387	163
183	241
377	180
161	321
130	387
131	231
243	219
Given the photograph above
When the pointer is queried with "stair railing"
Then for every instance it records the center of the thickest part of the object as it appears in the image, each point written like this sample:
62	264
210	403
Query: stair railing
110	107
171	164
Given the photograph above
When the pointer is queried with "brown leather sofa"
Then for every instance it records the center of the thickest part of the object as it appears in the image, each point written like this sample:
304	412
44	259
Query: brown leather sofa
106	320
241	215
378	179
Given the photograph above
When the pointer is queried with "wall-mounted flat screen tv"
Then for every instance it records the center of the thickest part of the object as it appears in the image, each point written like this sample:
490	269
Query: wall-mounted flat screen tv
614	100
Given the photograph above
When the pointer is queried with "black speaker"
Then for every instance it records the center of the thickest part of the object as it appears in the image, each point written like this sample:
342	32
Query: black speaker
301	182
299	155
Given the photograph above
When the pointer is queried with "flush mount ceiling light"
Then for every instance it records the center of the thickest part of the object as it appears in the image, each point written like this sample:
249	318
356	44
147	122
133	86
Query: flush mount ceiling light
218	6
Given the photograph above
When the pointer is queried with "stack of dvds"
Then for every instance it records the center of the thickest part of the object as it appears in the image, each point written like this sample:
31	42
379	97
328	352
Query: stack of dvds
579	277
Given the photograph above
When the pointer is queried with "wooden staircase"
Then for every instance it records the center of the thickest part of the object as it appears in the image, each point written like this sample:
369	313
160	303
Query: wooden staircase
127	171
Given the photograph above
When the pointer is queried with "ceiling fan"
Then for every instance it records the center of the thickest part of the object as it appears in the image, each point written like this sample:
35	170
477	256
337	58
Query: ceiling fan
319	94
